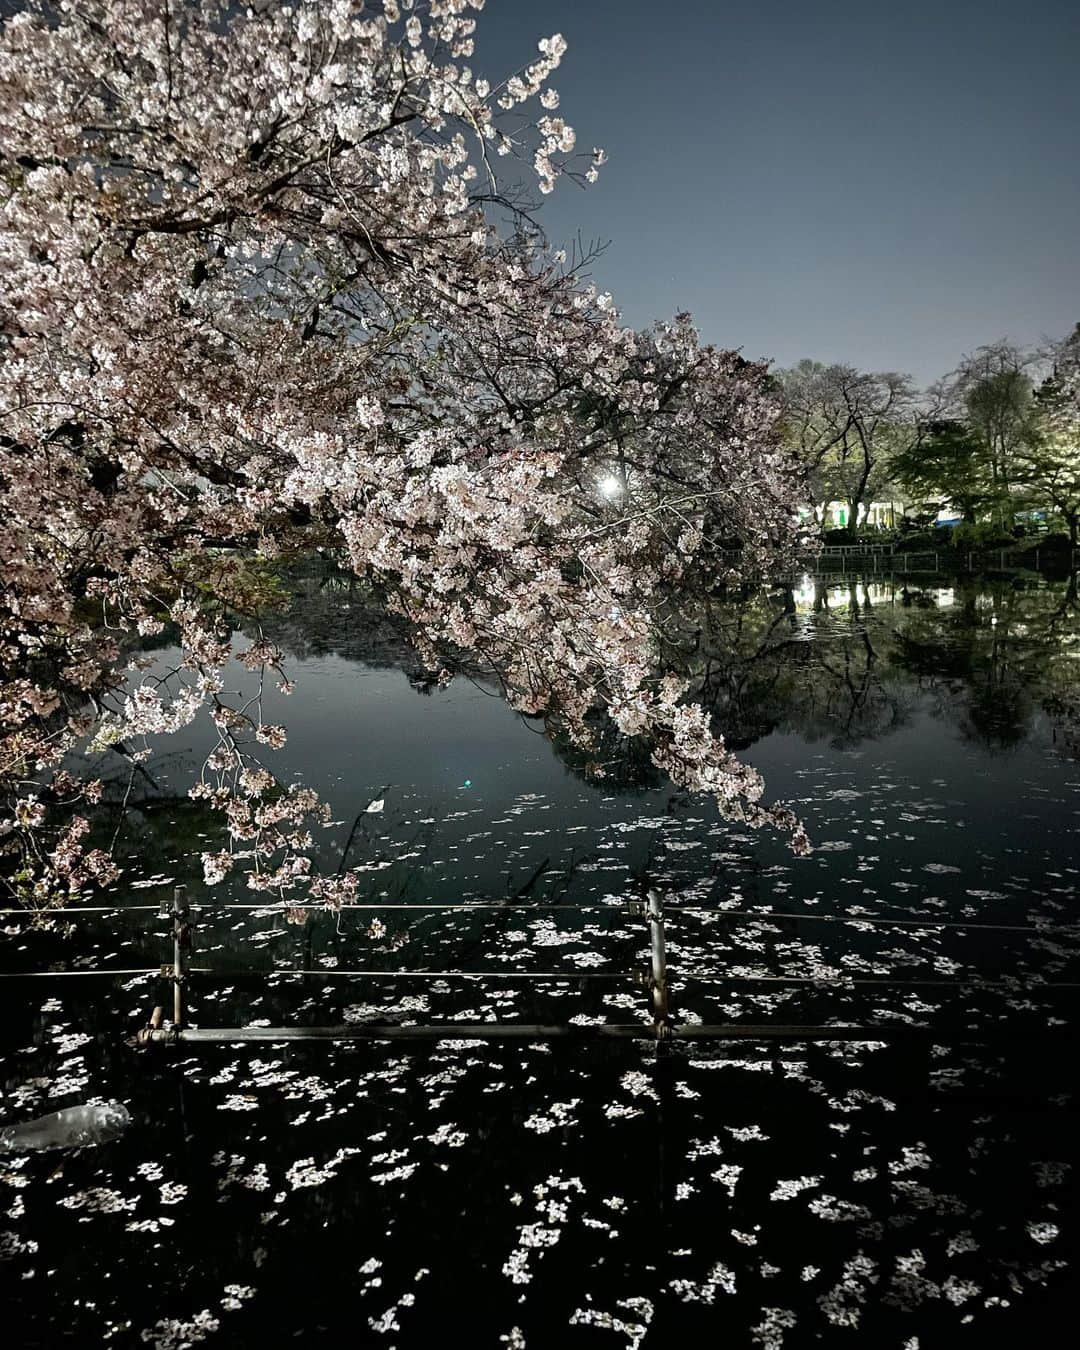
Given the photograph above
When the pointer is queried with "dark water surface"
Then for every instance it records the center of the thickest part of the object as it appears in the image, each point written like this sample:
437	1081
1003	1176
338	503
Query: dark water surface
875	1194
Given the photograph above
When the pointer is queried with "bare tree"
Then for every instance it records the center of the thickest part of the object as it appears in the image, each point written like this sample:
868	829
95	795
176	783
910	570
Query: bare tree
846	425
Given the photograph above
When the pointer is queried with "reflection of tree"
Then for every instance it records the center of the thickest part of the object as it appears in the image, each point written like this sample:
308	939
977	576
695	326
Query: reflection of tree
841	660
615	762
850	662
1060	682
327	614
769	667
964	659
995	655
157	830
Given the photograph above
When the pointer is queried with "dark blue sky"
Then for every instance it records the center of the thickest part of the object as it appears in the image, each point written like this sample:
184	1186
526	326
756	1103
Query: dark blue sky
885	184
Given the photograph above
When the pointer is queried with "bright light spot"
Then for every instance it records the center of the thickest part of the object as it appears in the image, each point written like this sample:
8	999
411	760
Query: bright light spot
611	487
803	595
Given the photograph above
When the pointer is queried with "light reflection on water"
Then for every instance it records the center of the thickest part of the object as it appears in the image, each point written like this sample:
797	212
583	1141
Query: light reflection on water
927	735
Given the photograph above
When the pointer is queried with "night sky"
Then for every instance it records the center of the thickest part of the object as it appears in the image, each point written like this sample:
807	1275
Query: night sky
886	184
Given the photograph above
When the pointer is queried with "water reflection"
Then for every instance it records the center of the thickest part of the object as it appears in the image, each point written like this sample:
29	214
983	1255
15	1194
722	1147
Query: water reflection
849	662
840	661
905	1196
940	676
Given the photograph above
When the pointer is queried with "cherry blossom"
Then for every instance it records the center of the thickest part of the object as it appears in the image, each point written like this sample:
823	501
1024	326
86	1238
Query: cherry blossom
253	302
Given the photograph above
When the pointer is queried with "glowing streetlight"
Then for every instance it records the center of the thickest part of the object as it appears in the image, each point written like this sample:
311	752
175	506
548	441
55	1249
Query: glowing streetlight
611	487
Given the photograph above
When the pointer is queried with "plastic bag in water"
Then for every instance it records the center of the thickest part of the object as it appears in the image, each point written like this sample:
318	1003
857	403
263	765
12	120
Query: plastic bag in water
73	1127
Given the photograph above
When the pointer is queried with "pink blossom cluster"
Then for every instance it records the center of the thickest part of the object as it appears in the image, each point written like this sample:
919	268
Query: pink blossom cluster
251	302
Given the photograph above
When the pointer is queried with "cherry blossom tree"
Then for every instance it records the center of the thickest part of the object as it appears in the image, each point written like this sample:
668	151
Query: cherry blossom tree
252	301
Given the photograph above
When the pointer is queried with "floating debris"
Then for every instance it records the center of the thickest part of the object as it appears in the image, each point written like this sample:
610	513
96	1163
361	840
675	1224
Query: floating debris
73	1127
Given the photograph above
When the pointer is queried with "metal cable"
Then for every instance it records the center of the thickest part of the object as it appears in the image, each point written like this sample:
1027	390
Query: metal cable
567	976
753	914
333	973
52	974
1009	985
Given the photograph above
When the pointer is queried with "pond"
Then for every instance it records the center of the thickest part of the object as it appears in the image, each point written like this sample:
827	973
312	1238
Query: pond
889	1192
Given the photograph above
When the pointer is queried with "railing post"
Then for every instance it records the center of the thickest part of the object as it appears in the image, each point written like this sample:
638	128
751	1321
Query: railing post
181	944
658	952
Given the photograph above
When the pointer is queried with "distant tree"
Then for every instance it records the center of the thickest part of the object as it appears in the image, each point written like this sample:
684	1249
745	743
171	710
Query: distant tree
1048	464
992	391
948	461
846	426
814	424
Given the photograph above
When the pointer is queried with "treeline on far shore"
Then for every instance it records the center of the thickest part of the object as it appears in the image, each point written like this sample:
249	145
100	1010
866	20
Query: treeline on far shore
987	457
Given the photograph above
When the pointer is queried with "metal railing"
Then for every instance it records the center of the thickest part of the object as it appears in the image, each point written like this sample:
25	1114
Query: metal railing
654	979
